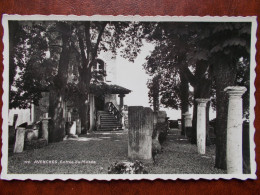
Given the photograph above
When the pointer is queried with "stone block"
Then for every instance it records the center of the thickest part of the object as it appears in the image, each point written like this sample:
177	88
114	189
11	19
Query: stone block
140	133
45	129
161	117
188	119
78	126
19	140
73	128
31	134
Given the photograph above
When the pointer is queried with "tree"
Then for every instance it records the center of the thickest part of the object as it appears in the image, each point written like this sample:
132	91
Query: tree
229	42
212	51
63	40
174	54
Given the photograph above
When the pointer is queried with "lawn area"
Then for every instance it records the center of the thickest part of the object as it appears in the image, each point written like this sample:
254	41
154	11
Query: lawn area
94	153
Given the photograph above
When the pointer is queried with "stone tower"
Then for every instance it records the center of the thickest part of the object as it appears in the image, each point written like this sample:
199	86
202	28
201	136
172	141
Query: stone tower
110	66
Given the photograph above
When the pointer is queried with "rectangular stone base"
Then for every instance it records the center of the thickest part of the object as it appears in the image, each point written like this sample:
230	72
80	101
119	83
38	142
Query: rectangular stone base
34	144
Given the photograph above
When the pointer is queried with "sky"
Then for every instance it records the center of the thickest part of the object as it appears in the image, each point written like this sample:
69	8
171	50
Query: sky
132	76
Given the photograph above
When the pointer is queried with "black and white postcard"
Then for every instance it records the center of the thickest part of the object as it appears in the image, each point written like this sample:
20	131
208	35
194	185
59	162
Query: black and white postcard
128	97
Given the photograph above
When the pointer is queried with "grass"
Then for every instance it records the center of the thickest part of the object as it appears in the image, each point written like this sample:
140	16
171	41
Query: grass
94	153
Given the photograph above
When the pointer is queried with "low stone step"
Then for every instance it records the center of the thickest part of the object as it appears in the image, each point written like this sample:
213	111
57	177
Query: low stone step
110	126
107	116
106	119
109	121
110	129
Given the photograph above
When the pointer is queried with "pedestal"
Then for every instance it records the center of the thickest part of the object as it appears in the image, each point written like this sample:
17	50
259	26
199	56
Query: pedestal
161	117
234	130
201	125
121	105
140	133
91	112
187	122
19	140
78	126
73	128
45	129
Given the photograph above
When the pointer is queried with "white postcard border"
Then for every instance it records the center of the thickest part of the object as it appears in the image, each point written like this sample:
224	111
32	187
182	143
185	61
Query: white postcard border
4	175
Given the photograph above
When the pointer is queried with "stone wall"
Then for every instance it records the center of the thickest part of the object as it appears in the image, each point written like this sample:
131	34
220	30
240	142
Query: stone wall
24	116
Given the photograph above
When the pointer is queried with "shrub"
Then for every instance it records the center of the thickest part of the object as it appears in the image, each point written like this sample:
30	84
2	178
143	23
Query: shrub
126	167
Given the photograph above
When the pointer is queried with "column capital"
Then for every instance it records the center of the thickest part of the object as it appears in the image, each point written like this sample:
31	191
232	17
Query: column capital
235	91
46	119
202	101
186	114
121	95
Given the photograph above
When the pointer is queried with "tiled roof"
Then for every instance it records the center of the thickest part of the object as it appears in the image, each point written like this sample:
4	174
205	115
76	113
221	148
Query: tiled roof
108	89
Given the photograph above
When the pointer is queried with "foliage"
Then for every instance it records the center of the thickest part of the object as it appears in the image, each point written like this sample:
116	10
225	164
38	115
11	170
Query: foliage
37	60
136	167
33	69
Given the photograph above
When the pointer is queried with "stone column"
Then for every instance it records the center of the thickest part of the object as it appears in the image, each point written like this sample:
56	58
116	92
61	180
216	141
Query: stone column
45	129
91	112
234	130
179	125
161	117
19	140
140	133
187	122
73	128
121	105
32	112
121	102
201	125
78	127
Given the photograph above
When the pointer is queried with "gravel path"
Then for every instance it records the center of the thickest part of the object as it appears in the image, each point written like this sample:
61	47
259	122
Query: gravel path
181	157
93	154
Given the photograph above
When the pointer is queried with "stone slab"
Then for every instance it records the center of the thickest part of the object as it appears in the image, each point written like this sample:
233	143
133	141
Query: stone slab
19	140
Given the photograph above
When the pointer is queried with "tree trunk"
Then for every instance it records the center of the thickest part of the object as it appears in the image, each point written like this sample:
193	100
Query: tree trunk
13	29
156	87
224	77
193	138
84	115
57	114
57	93
208	141
184	100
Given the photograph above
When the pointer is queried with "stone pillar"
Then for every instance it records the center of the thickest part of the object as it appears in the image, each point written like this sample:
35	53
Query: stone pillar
78	127
187	122
121	106
234	130
140	133
32	112
121	102
201	125
19	140
161	117
179	125
73	128
45	129
91	112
